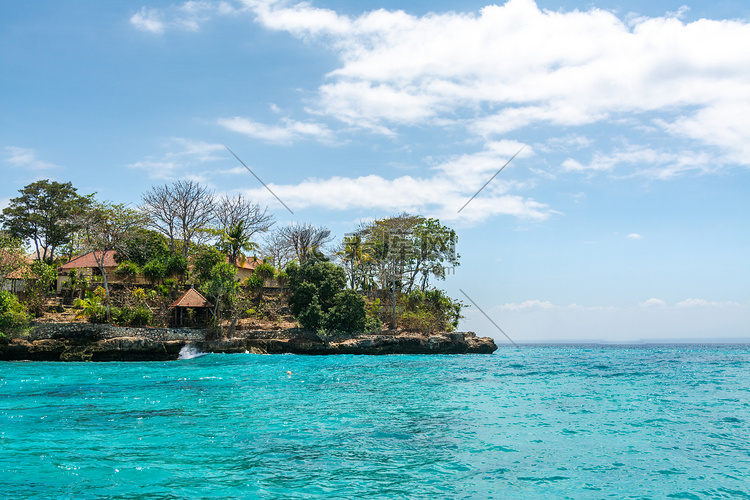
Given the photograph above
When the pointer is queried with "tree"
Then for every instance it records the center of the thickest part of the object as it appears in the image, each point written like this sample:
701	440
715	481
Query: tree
305	239
179	211
318	299
107	227
12	258
222	287
45	213
405	251
230	211
39	280
276	248
235	240
355	259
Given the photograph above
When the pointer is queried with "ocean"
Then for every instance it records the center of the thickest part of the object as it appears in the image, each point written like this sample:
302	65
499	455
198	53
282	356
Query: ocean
534	422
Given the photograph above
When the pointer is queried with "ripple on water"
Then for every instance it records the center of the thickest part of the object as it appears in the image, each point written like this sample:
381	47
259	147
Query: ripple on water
532	422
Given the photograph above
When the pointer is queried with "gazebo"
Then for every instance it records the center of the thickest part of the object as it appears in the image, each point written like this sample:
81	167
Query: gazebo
192	300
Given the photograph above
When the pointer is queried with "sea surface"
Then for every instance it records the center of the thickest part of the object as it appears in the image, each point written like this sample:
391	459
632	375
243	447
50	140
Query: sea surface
530	422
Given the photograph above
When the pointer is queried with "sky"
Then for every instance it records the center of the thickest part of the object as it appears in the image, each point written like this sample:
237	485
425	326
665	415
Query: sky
623	218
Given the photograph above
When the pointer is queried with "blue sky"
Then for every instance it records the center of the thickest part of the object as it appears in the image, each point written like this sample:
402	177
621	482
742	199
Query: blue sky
625	216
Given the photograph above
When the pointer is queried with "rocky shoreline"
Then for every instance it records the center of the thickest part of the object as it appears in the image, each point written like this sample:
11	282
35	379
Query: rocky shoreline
90	342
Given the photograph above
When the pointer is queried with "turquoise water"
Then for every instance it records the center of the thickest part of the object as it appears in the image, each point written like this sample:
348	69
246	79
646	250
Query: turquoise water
533	422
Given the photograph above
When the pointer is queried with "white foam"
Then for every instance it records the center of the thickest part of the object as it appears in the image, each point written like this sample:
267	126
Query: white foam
190	352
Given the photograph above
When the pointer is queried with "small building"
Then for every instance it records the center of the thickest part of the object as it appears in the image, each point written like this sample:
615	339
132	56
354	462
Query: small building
89	269
190	309
246	268
15	280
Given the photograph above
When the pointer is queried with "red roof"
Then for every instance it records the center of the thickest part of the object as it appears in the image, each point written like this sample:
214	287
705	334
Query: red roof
88	260
250	263
191	298
18	261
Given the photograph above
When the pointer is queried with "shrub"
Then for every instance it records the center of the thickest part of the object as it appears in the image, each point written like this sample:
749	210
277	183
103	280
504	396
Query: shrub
347	314
13	315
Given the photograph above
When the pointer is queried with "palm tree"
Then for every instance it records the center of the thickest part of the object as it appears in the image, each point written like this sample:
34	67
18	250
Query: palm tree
235	240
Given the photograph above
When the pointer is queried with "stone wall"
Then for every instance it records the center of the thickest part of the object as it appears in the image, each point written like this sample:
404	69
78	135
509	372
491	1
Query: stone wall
40	331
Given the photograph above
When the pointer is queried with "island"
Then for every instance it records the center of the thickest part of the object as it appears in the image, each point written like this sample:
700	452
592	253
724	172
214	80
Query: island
103	342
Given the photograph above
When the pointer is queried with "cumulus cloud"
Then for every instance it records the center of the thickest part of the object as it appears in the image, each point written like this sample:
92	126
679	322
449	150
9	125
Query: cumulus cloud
286	133
635	236
148	20
26	159
528	66
441	195
652	302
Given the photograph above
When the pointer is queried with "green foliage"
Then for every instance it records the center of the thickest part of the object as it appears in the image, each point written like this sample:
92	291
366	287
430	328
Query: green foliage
75	282
92	307
45	213
128	270
253	282
39	281
429	311
13	315
318	299
142	246
204	260
235	239
164	266
131	316
347	314
406	250
222	286
264	271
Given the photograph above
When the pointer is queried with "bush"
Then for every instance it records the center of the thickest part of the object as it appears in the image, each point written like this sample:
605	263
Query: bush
13	315
347	314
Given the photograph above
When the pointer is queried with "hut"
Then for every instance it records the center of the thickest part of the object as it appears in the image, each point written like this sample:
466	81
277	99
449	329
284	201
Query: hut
190	309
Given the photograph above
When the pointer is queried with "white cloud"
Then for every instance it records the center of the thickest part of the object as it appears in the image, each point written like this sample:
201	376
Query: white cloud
26	159
148	20
687	303
653	302
539	320
181	159
659	164
635	236
441	195
529	66
188	16
286	133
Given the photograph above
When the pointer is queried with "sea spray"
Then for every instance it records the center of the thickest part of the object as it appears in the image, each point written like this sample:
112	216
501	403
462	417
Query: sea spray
190	351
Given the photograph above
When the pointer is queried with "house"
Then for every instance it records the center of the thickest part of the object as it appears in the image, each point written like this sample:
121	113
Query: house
246	267
87	267
18	265
191	308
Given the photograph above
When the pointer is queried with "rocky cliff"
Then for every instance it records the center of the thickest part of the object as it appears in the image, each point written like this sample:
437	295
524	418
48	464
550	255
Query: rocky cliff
88	342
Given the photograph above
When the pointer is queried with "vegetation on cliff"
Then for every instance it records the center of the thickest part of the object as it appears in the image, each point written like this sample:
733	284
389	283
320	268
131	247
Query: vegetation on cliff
183	235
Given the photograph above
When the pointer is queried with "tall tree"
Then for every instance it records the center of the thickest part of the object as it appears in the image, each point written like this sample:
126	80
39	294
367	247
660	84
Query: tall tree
234	241
108	227
179	211
45	213
306	240
230	211
276	247
406	251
